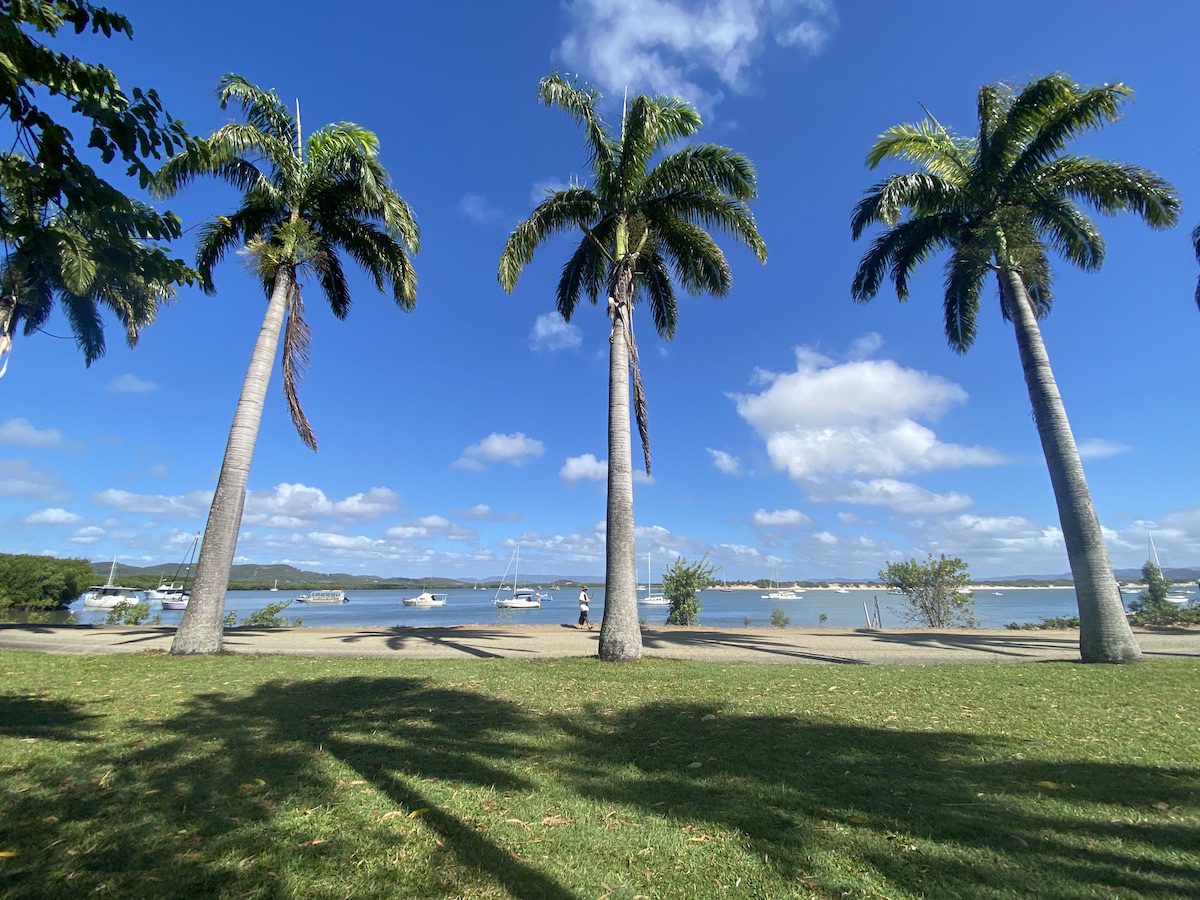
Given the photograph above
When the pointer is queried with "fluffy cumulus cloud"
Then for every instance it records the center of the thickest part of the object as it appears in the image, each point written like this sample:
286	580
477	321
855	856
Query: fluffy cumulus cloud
586	467
300	505
780	518
725	462
53	516
671	46
513	449
550	332
22	433
849	431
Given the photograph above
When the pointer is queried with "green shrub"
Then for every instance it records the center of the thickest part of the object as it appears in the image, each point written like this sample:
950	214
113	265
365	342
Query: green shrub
681	584
779	618
42	582
131	614
932	591
1054	623
268	617
746	621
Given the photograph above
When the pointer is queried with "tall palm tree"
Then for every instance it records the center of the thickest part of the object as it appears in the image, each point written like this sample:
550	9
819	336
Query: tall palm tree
643	226
997	202
304	203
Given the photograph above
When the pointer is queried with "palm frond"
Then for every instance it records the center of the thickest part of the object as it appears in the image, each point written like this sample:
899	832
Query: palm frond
713	210
86	324
900	249
297	354
698	263
927	144
884	202
1061	111
640	410
1112	188
701	166
583	272
966	270
263	109
1069	231
570	208
655	280
1196	248
580	103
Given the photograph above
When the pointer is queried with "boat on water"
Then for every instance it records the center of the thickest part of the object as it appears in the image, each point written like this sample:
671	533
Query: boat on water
330	596
275	586
778	593
174	594
520	598
842	591
652	599
425	600
1175	598
109	595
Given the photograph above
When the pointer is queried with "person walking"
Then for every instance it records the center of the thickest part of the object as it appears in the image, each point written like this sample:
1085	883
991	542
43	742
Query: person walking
584	603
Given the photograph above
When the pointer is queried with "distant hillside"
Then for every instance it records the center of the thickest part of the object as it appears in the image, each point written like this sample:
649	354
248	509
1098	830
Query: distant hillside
252	576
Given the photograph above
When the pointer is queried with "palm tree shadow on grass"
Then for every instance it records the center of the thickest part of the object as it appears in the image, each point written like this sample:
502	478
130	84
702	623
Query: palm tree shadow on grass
225	767
231	786
784	784
40	718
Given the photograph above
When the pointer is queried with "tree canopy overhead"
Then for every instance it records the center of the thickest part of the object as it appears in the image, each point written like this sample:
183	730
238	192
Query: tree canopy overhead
68	234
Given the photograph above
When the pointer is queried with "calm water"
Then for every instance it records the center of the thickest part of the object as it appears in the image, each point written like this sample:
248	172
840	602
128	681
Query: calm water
719	609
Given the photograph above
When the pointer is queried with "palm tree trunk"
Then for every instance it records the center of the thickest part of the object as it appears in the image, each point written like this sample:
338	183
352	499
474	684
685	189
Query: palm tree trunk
1104	633
201	630
620	633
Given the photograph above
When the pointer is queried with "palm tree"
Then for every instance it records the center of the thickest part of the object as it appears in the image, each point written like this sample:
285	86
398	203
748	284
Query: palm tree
997	202
303	203
643	227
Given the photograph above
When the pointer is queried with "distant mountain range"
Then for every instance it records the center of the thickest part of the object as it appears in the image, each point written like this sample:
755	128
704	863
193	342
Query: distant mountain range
249	575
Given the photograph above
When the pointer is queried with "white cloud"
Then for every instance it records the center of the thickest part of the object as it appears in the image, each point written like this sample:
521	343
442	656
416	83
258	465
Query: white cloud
406	532
725	462
667	46
477	209
587	467
53	516
368	505
19	479
899	496
88	535
22	433
866	346
584	468
826	538
780	518
191	505
856	422
514	449
130	384
1099	448
550	332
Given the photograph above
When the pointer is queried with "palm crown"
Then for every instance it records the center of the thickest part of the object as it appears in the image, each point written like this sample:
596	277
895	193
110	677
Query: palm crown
304	203
1000	199
646	223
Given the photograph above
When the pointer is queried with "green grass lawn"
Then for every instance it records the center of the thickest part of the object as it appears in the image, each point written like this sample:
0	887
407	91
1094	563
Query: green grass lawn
147	775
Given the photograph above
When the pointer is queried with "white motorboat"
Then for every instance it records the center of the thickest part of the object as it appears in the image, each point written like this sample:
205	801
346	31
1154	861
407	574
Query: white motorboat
174	594
652	599
425	600
109	595
330	596
521	598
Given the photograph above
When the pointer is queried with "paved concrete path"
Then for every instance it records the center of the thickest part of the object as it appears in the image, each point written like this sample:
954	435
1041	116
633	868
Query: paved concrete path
761	645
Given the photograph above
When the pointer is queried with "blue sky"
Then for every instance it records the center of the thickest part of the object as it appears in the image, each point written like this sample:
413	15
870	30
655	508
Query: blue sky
792	429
